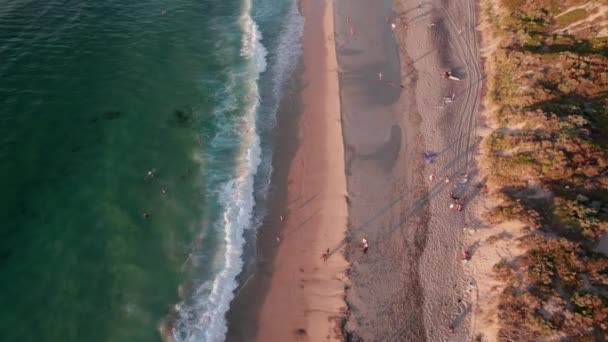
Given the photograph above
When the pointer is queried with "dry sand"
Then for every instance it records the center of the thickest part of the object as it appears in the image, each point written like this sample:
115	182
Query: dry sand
412	285
380	135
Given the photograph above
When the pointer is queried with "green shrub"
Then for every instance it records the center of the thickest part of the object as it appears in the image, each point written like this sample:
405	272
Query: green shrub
580	217
503	269
492	239
524	159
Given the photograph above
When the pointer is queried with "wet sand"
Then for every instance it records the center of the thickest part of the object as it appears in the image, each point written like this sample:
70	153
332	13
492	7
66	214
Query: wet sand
305	298
294	294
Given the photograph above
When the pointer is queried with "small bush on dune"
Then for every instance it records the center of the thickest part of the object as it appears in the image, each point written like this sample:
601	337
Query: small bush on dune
580	217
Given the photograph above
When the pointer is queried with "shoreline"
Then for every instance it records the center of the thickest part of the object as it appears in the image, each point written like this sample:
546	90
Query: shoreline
292	293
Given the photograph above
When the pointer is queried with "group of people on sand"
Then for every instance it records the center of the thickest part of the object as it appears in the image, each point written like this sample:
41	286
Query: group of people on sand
457	202
364	245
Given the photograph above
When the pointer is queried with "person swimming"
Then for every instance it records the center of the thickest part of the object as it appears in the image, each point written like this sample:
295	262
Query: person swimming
151	174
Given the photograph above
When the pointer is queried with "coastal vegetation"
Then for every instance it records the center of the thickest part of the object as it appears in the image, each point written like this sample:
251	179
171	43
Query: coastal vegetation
546	164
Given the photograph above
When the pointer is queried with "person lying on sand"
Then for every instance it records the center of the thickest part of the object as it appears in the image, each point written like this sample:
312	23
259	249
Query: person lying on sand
449	76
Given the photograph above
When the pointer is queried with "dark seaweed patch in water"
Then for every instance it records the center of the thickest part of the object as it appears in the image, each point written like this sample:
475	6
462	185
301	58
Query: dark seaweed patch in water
6	254
183	115
112	115
76	148
108	115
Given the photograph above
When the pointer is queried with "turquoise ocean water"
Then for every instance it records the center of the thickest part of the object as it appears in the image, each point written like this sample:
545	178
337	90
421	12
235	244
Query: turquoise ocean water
93	96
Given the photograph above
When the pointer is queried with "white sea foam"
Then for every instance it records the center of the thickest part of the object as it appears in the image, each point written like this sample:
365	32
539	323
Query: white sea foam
288	51
203	317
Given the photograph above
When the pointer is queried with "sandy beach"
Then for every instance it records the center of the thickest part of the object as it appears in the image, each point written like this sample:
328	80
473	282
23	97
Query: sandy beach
298	295
412	284
305	298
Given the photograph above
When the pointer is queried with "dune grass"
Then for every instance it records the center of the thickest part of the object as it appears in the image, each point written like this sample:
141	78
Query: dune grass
572	17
